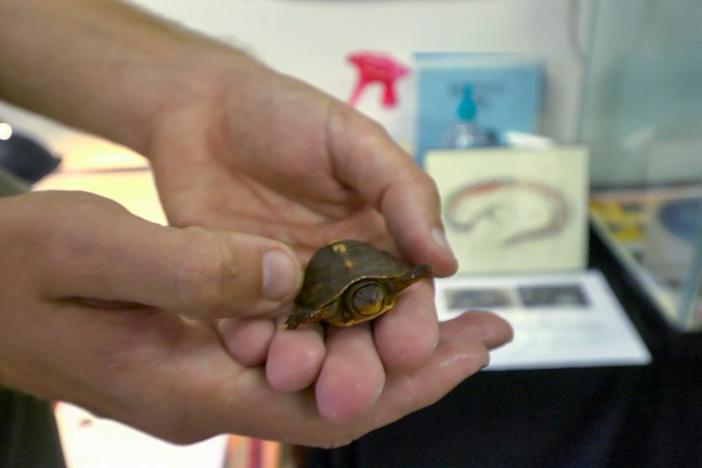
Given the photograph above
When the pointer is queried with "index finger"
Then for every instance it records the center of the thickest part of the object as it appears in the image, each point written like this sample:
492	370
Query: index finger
367	159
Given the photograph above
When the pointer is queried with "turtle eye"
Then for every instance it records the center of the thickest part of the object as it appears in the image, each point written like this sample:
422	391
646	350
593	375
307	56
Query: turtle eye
368	300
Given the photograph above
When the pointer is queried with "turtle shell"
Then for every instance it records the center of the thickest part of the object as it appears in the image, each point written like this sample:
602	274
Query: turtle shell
336	266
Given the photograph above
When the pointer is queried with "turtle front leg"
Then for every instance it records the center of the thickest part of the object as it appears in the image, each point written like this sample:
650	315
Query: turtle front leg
415	274
302	316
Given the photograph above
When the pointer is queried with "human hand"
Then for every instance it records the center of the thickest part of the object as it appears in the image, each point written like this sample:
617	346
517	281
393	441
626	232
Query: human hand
103	309
257	152
236	147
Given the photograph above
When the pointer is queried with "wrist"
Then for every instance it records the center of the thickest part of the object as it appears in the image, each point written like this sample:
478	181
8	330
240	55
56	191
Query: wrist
153	87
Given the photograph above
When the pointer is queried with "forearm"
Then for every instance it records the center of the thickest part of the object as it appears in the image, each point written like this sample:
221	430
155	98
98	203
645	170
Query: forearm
102	65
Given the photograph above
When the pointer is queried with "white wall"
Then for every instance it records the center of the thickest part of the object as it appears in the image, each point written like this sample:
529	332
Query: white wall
310	39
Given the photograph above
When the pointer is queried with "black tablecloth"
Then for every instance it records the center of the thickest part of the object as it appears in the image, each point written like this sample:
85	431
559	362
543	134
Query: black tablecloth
619	416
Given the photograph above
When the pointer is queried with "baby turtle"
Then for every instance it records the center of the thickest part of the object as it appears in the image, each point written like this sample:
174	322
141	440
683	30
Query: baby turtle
349	282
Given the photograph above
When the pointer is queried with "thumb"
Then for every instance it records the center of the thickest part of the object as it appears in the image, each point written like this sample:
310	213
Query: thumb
103	252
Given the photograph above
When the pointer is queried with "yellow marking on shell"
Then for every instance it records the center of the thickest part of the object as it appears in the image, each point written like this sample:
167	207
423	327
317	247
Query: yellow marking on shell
339	248
348	264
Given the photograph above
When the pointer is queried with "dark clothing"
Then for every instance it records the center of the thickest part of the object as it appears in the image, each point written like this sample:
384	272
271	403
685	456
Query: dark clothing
28	433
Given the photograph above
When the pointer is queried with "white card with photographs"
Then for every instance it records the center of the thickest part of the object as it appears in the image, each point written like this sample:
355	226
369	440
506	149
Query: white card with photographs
560	320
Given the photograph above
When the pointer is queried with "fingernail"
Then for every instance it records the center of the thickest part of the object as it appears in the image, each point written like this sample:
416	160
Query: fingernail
280	275
440	237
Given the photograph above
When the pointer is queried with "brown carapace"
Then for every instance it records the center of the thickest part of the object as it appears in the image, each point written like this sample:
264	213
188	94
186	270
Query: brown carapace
349	282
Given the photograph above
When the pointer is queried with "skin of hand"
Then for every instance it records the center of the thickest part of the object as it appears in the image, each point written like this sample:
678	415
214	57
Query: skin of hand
104	309
268	160
270	156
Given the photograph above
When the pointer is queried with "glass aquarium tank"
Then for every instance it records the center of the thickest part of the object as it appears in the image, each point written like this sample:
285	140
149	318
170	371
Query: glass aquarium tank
642	117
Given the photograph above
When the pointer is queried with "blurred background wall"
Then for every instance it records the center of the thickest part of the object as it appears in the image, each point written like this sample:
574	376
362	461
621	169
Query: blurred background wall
310	39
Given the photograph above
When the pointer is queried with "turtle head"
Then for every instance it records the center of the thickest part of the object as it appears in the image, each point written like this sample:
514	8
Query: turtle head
368	299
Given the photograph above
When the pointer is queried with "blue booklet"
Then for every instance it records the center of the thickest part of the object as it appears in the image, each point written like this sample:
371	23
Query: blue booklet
468	100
